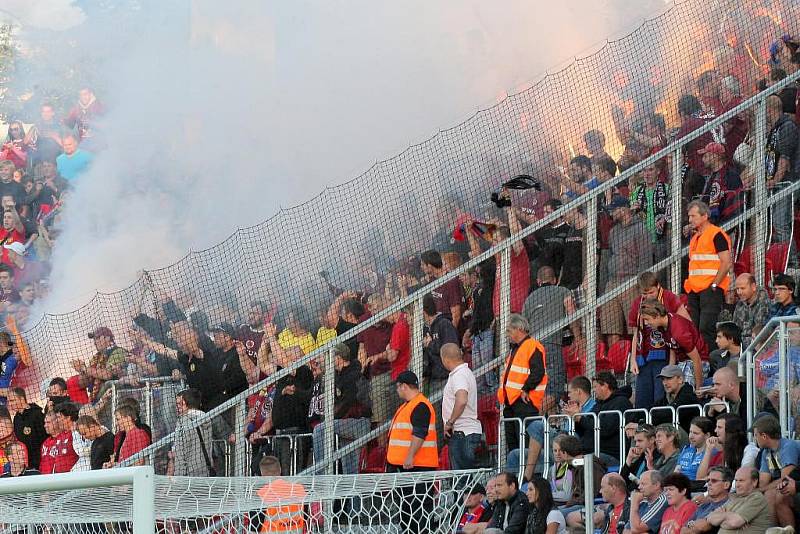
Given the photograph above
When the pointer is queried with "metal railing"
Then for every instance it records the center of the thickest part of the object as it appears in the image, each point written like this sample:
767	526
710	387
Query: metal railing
588	311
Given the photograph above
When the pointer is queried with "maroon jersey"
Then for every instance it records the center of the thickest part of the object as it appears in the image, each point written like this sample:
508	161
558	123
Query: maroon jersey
251	339
58	456
648	338
683	337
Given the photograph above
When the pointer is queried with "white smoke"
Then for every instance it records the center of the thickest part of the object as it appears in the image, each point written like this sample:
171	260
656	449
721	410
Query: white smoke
57	15
220	114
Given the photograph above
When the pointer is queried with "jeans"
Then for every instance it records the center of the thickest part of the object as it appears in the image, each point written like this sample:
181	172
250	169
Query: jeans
483	353
648	386
705	307
461	450
347	430
782	219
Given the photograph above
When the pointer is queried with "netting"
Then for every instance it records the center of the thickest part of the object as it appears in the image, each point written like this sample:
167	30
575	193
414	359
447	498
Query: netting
320	270
408	502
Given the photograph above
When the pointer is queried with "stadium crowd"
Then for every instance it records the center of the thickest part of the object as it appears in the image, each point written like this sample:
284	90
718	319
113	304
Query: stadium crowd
679	347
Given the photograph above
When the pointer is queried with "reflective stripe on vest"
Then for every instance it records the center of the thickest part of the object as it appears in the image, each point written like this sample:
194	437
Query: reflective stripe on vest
400	436
286	518
704	262
516	374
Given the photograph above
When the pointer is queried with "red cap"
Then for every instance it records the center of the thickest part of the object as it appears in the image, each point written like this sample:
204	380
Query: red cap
714	148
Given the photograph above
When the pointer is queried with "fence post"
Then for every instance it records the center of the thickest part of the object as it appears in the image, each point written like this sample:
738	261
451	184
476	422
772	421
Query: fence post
590	319
144	491
505	299
240	447
760	231
416	339
676	220
783	374
328	392
588	491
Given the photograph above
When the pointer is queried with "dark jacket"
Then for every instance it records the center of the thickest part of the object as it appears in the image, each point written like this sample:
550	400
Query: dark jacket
609	423
517	516
441	331
29	430
291	411
684	397
346	403
638	464
233	378
102	449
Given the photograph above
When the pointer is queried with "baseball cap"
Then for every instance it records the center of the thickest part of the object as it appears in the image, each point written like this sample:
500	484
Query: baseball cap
407	377
16	246
478	489
714	148
225	328
670	371
618	202
101	331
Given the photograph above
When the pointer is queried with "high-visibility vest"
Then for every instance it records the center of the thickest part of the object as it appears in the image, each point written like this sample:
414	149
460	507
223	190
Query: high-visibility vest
517	370
704	261
400	436
287	517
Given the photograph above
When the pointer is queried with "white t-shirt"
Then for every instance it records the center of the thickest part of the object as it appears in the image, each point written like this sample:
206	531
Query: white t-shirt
556	516
462	378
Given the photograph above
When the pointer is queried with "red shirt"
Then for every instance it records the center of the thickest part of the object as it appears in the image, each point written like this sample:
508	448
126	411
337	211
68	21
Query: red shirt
683	337
674	520
520	282
401	342
648	338
375	339
58	456
616	512
135	440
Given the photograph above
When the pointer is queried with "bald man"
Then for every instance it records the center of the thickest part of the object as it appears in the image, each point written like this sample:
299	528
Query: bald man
460	409
752	307
747	510
727	388
783	158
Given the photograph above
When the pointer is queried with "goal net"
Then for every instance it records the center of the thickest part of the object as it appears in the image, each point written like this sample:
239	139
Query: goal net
385	503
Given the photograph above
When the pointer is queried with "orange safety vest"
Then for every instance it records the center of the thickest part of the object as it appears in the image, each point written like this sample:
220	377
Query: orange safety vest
517	369
400	436
287	517
704	261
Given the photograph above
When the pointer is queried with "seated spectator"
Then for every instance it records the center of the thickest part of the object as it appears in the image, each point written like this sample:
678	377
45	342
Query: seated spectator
17	461
544	516
647	505
107	364
57	453
28	424
677	488
722	183
134	440
720	480
668	445
102	440
644	445
562	474
676	393
609	518
727	448
511	508
727	389
73	161
747	510
8	365
784	305
692	454
729	341
779	457
478	506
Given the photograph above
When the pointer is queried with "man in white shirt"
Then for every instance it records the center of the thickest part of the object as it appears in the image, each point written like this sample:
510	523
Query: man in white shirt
460	409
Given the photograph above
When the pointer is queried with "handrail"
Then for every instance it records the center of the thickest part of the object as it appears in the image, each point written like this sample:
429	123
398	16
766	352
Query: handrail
505	245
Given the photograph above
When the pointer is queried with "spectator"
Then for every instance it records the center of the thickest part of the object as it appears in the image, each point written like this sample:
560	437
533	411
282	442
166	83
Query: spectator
448	297
419	452
677	392
727	389
135	439
571	275
692	455
201	365
726	448
192	449
14	148
580	179
729	341
481	327
511	508
691	114
524	379
251	335
647	505
563	484
721	184
102	440
9	187
680	337
783	143
644	444
460	410
720	480
608	397
107	363
779	457
438	332
24	271
668	446
259	426
6	434
56	393
8	365
83	118
398	354
595	143
283	517
67	413
784	305
373	355
543	517
230	371
17	461
28	424
73	162
8	292
611	518
677	488
651	200
709	264
545	247
631	254
291	407
747	510
57	453
547	305
649	351
344	314
478	508
44	137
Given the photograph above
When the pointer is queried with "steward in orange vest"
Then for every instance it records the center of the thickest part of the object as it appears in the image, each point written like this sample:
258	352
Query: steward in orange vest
283	499
412	434
523	378
709	268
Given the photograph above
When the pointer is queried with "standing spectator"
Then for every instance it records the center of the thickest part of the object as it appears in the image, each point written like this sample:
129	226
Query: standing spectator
107	363
677	392
9	187
344	314
543	516
722	181
651	200
736	128
523	381
14	148
399	354
373	356
729	343
571	275
631	254
751	312
231	374
782	161
649	353
57	453
520	279
83	117
481	327
545	247
647	505
511	508
691	114
8	293
67	413
8	365
28	424
74	161
612	518
439	331
747	510
201	365
677	488
259	426
44	137
460	410
251	334
720	480
580	179
290	410
547	305
135	440
595	143
102	440
448	297
18	461
784	305
6	434
191	451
